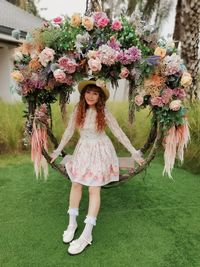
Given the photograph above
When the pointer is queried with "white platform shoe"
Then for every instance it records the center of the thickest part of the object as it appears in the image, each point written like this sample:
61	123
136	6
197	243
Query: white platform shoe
78	245
68	234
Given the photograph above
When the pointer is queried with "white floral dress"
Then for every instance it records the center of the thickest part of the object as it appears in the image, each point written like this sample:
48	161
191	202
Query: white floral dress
94	161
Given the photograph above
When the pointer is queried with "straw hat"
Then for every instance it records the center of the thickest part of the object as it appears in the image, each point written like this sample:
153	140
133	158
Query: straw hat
99	83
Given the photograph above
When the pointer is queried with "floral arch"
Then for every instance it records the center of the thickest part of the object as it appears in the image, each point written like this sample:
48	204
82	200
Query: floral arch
55	57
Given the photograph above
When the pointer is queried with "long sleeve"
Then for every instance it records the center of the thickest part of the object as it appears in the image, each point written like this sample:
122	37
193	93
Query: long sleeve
69	131
120	135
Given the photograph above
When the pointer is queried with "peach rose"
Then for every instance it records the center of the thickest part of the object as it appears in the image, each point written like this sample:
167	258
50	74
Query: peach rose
17	76
139	100
159	51
88	23
46	56
93	54
94	64
75	20
186	79
175	105
124	73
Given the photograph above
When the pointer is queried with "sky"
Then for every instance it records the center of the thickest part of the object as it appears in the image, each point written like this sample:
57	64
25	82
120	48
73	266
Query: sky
51	9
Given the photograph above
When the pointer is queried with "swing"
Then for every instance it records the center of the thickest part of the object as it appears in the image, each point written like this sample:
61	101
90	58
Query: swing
48	65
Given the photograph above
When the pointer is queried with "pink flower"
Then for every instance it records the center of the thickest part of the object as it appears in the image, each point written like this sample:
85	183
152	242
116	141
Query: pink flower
103	22
94	64
57	20
157	101
67	64
139	100
46	56
175	105
124	73
69	80
114	44
179	93
59	75
107	55
100	19
116	25
166	95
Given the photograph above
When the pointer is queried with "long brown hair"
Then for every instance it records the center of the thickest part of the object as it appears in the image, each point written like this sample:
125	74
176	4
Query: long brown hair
82	107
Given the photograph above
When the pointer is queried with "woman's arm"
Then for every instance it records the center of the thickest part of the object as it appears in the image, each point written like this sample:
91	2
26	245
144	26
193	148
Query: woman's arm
69	131
121	136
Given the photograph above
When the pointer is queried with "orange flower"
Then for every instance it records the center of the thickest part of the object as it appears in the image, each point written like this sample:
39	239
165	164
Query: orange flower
161	52
17	76
154	80
26	48
34	64
186	79
88	23
75	20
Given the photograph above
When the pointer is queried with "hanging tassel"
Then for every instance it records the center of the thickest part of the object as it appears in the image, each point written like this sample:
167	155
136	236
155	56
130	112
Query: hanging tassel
170	151
176	140
39	139
183	138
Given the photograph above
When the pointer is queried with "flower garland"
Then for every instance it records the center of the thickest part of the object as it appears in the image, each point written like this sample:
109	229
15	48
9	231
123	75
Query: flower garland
66	50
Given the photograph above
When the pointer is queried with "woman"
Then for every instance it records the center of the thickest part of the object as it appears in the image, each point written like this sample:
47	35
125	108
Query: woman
94	162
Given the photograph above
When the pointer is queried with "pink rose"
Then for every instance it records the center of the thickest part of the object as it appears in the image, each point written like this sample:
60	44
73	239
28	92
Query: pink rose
95	64
139	100
179	93
59	75
166	95
175	105
46	56
116	25
103	22
67	64
157	101
124	73
57	20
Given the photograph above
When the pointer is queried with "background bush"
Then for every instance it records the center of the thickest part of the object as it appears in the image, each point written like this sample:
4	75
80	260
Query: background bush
12	129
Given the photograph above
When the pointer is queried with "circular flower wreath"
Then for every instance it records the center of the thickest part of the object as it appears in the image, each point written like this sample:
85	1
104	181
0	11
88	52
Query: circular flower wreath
64	51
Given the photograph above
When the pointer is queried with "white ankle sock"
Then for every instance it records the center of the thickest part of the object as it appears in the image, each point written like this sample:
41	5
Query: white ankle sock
73	213
90	222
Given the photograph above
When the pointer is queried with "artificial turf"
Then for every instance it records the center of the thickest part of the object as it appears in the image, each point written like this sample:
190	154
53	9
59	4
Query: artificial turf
151	222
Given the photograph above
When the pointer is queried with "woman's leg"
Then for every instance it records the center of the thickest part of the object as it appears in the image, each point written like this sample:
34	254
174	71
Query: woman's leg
93	210
74	201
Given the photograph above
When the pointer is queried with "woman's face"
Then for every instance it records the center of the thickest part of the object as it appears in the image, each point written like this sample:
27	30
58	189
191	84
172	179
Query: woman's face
91	97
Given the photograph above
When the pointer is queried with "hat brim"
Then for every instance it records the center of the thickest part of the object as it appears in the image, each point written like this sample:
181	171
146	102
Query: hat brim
84	83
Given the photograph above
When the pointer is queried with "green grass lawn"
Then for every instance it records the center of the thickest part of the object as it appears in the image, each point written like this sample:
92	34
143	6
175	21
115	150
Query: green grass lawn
153	222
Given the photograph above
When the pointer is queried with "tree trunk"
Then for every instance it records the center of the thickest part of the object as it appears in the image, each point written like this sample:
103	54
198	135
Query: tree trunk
187	30
177	27
92	6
